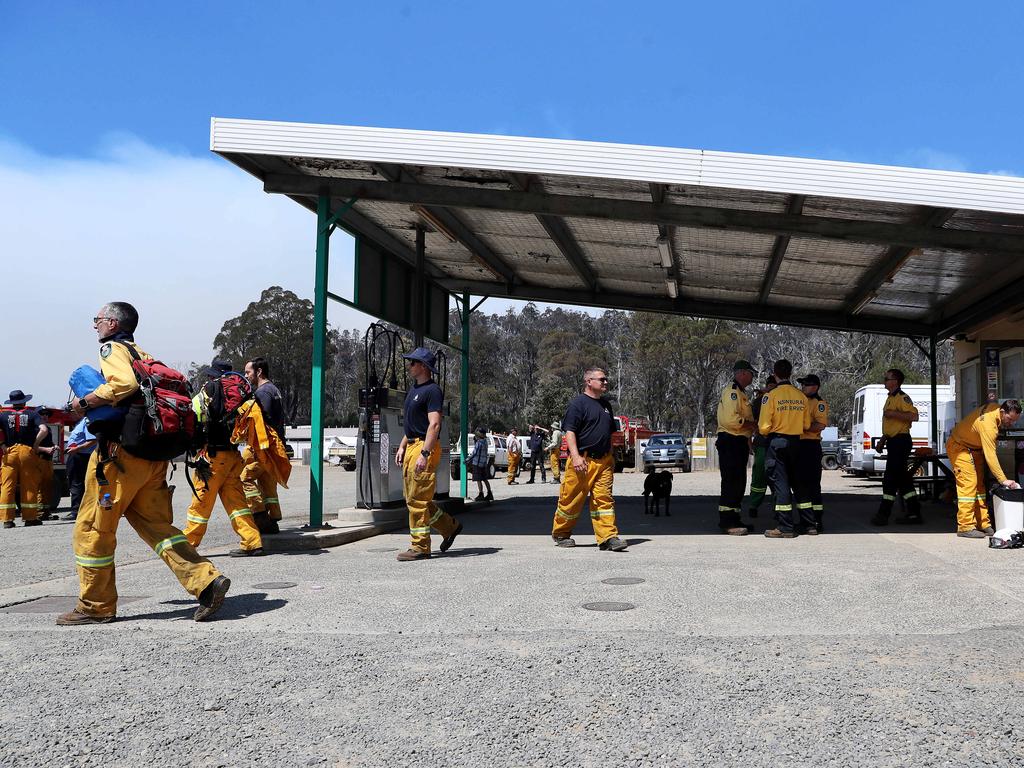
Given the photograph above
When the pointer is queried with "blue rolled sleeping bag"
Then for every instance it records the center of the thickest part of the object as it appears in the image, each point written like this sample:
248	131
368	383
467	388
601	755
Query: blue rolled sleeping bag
84	380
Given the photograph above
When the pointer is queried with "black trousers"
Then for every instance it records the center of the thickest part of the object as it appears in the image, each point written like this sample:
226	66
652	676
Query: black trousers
809	491
537	457
782	463
733	453
76	465
896	481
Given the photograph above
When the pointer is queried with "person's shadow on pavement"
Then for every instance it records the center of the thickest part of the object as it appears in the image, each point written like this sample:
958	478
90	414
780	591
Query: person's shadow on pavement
235	607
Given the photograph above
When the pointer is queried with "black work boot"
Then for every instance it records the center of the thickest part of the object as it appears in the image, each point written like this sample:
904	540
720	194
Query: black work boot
265	523
212	598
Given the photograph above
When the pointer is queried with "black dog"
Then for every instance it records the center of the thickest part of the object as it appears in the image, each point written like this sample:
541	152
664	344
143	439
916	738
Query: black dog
657	486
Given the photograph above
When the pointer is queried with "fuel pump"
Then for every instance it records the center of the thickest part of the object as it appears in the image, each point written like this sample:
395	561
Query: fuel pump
381	429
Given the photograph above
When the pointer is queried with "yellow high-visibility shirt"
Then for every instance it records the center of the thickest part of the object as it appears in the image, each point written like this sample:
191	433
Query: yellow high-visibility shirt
897	401
978	431
819	415
734	414
784	411
116	367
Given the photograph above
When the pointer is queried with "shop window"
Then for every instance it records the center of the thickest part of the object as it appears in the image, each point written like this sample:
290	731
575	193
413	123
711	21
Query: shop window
967	386
1011	364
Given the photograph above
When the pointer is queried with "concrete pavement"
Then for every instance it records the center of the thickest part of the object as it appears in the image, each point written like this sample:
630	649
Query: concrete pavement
857	647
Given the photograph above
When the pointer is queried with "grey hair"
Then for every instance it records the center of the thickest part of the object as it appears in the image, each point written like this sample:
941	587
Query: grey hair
126	315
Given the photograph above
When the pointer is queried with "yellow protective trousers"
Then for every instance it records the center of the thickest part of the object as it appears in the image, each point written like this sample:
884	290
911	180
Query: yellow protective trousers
259	486
419	488
969	471
554	465
513	466
21	469
595	483
225	482
139	492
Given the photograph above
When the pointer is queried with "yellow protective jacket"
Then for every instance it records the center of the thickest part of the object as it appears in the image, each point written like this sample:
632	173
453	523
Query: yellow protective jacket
784	411
819	415
734	414
266	445
116	367
977	432
897	401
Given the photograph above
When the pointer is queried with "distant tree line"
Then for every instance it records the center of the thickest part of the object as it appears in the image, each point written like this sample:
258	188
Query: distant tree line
526	364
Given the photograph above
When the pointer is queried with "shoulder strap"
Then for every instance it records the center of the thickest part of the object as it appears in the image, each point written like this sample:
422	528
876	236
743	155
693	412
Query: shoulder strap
131	350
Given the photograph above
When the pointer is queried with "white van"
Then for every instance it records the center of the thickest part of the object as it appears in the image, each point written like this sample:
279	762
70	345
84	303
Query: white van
868	404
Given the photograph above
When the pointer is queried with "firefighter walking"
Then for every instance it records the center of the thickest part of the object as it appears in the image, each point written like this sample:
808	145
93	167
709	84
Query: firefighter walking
898	414
735	429
218	472
784	418
22	433
514	452
134	488
809	500
419	454
590	468
263	470
971	447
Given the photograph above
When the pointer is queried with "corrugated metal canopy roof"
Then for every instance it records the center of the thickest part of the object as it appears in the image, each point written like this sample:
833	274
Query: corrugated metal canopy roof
768	239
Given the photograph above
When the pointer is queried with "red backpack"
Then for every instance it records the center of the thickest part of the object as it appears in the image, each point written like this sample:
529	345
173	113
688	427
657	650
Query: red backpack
233	390
160	424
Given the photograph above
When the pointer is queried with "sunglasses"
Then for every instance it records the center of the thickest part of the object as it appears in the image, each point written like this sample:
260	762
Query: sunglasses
603	380
95	320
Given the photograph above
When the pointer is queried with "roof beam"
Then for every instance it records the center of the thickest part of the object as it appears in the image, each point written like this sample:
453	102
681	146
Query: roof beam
891	262
481	252
559	233
760	222
746	311
998	302
794	208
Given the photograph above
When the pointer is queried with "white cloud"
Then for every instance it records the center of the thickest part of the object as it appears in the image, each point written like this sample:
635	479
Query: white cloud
190	241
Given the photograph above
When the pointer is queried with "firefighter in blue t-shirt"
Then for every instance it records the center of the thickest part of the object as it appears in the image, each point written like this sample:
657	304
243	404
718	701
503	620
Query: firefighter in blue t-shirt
22	433
590	468
419	454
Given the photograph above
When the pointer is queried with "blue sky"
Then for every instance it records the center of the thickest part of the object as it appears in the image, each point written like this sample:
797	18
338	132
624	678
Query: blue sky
105	109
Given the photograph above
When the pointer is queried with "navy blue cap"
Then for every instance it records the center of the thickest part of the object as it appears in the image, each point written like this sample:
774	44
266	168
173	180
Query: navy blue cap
425	356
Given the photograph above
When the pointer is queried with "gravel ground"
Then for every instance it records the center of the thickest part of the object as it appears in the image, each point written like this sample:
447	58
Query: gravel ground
852	648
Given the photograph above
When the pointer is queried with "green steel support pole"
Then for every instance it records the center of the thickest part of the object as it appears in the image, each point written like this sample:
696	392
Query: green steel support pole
933	359
316	419
464	393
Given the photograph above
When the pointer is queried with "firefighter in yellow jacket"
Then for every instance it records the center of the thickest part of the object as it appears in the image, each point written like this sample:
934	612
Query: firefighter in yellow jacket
809	500
218	471
138	491
590	468
735	429
784	418
971	447
22	434
898	415
259	478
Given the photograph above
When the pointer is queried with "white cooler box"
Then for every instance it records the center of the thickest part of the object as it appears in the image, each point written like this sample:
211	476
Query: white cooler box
1008	509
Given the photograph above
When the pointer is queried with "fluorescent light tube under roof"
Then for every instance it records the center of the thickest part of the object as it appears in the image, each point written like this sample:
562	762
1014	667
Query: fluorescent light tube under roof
666	252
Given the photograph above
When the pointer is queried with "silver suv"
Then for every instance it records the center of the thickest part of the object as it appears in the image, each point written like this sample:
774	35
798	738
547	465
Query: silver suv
666	451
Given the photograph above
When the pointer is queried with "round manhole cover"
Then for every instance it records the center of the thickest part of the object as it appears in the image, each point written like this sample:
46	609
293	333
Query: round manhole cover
275	585
383	549
609	606
623	580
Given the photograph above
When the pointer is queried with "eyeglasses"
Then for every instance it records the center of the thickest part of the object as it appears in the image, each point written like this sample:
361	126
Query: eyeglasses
96	320
889	378
603	380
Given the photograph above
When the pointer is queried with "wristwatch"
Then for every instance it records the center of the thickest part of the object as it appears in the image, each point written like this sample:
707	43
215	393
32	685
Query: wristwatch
83	404
425	453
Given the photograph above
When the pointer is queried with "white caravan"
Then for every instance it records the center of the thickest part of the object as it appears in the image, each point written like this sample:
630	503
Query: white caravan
868	404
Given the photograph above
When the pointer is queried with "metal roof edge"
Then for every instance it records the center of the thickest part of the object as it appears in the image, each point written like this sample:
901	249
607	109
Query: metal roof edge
625	162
